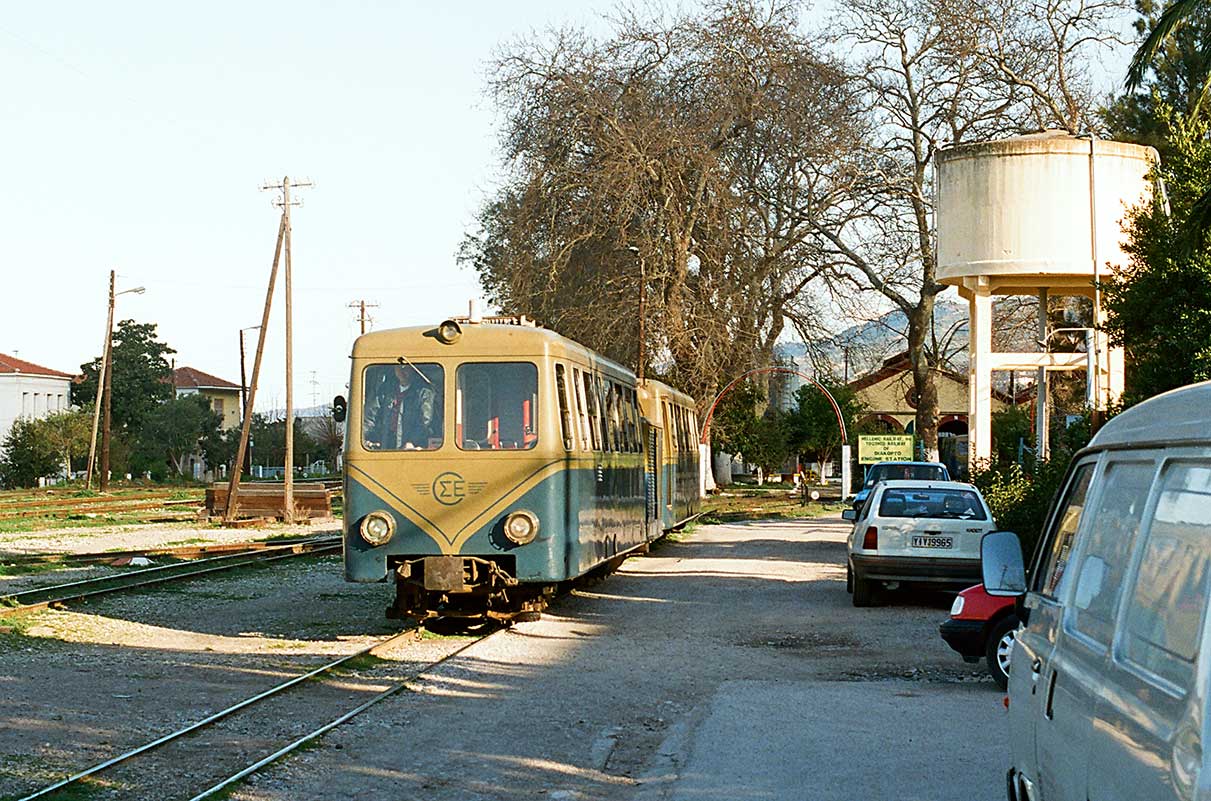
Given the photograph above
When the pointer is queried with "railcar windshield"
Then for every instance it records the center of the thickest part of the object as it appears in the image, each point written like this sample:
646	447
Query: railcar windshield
497	406
402	408
946	504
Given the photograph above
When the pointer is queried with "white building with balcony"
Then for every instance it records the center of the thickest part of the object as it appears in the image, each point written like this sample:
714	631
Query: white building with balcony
29	390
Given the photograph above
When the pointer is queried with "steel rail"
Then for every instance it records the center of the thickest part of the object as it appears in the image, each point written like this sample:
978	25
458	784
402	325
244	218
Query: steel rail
121	584
217	716
332	724
190	552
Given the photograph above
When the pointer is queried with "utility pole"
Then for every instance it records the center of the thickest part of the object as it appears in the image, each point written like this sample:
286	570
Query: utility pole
104	390
286	203
361	306
92	443
233	486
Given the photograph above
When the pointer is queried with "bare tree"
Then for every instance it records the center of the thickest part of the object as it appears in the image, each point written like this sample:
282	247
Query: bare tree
687	151
937	73
1043	47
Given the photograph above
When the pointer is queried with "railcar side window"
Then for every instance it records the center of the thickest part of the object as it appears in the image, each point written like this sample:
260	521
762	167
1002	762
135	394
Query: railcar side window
1113	525
497	405
1067	521
565	413
582	409
402	407
1165	610
591	403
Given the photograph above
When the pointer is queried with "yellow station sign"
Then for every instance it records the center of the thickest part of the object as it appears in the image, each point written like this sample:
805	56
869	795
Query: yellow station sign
884	448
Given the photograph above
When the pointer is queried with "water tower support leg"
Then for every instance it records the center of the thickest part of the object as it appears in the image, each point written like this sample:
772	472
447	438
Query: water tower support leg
979	383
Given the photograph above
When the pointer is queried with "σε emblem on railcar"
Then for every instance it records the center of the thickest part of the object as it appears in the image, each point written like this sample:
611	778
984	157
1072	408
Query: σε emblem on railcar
449	488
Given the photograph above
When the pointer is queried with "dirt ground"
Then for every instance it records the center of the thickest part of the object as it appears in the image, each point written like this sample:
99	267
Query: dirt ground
584	704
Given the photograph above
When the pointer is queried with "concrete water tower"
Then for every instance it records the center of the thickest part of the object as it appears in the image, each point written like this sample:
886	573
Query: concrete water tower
1035	215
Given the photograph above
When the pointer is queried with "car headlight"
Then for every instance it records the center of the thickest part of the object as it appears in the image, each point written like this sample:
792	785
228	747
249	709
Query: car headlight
377	528
956	608
521	527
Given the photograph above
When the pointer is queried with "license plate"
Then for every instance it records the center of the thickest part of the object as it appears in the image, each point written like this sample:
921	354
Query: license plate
933	542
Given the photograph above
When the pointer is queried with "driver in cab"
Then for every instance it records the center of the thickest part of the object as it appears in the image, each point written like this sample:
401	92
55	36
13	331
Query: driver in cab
399	412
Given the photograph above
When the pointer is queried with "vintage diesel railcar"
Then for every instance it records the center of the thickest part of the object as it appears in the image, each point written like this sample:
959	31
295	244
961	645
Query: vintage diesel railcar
487	462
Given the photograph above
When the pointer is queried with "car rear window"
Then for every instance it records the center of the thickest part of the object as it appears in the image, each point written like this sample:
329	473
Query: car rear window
910	472
944	504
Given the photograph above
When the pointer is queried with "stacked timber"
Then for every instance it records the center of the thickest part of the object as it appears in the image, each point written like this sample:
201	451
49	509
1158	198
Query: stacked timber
268	500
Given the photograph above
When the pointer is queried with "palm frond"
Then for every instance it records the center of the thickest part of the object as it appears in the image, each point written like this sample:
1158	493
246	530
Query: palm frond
1165	26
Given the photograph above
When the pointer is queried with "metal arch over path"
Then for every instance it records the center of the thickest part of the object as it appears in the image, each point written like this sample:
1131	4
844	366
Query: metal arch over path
846	469
706	424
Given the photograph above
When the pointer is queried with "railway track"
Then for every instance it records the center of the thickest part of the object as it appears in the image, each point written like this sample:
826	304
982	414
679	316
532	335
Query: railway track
58	594
259	700
172	552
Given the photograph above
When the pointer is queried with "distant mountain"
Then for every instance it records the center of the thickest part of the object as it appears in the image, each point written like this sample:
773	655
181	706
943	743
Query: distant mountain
861	348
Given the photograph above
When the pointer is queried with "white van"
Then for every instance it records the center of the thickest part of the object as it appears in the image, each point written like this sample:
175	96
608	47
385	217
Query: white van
1110	679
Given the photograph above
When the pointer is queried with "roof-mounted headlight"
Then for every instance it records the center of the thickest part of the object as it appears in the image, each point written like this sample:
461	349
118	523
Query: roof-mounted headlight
377	528
449	332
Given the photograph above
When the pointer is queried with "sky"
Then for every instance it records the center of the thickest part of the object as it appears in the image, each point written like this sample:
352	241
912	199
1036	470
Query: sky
136	137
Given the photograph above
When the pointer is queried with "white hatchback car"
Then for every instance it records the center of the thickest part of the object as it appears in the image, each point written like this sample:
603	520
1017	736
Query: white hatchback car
916	532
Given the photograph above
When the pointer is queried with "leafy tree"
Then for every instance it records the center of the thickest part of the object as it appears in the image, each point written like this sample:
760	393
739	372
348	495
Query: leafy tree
67	433
142	375
1175	76
27	455
1168	344
746	424
1010	426
269	442
172	431
812	424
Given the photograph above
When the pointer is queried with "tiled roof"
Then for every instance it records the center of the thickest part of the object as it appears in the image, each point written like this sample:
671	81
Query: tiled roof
11	364
190	378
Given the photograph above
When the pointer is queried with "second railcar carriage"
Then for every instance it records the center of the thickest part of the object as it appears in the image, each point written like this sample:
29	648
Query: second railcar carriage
485	463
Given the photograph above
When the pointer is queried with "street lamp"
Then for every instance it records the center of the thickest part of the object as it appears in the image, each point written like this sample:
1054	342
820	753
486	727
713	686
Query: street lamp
643	291
104	391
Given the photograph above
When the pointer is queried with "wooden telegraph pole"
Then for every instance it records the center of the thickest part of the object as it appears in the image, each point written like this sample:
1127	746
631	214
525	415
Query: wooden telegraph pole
361	307
233	485
101	383
283	244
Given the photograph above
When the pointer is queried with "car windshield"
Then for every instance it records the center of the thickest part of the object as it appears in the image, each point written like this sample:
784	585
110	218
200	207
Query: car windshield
910	472
946	504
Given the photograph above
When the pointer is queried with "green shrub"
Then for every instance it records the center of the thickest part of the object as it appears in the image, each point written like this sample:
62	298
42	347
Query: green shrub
1020	498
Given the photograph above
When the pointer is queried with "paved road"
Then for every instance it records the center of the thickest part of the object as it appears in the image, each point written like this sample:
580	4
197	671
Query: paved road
728	666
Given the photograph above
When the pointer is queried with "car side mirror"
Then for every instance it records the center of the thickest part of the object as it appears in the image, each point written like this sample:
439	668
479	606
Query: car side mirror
339	408
1004	570
849	514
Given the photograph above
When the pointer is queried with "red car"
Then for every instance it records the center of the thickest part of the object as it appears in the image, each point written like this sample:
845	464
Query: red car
983	627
